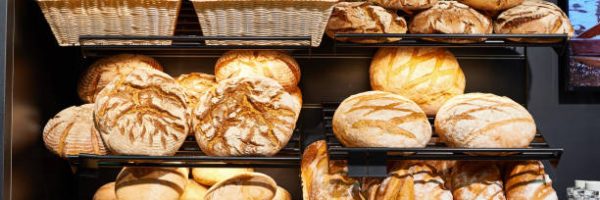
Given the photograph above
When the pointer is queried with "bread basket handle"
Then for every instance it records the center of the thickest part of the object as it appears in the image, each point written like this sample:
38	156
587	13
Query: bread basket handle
590	33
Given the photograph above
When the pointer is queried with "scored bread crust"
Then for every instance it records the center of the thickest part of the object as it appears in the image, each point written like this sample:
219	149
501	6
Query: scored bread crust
427	76
72	132
480	120
196	84
105	70
250	185
364	17
534	17
380	119
492	5
451	17
151	183
412	180
405	4
144	113
277	65
245	116
477	180
528	180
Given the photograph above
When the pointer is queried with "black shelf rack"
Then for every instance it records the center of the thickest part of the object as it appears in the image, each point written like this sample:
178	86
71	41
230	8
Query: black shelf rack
372	161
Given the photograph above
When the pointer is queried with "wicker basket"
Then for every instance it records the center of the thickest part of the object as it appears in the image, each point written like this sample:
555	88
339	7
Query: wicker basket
264	18
69	19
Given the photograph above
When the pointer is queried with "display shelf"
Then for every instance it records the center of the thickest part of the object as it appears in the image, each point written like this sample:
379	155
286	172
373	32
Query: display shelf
372	161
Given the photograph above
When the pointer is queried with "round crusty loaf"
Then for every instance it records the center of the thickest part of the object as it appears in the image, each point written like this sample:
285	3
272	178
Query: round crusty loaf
451	17
533	17
297	96
428	76
249	185
380	119
492	5
477	180
106	192
282	194
195	85
209	176
105	70
405	4
151	183
277	65
413	180
528	180
245	116
364	17
144	113
72	132
193	191
478	120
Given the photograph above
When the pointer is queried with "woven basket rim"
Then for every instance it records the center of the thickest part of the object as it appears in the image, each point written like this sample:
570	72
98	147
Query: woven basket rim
261	0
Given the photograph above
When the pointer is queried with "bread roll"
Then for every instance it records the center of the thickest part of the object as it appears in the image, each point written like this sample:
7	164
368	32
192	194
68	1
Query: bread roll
72	132
478	120
277	65
209	176
451	17
282	194
364	17
412	180
406	5
245	116
151	183
193	191
196	84
533	17
105	70
428	76
256	186
106	192
528	181
144	113
380	119
492	5
324	180
477	180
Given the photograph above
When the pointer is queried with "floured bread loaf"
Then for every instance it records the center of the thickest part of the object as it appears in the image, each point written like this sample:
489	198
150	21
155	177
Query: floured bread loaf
72	132
533	17
144	113
406	5
412	180
245	116
105	70
282	194
256	186
277	65
325	180
209	176
193	191
364	17
478	120
195	85
451	17
380	119
492	5
297	96
151	183
106	192
427	76
528	180
477	180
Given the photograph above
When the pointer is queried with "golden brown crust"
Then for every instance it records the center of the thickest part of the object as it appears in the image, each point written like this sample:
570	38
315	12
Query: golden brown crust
105	70
277	65
451	17
528	180
249	185
405	4
72	132
297	95
106	192
196	84
427	76
477	180
210	176
193	191
151	183
144	113
282	194
491	5
412	180
364	17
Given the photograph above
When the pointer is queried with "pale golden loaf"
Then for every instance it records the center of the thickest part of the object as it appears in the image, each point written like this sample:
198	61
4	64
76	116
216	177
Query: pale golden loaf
72	132
364	17
143	113
528	180
477	180
245	116
277	65
209	176
427	76
282	194
533	17
412	180
380	119
406	5
479	120
193	191
103	71
250	185
151	183
106	192
451	17
491	5
325	180
297	96
195	85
